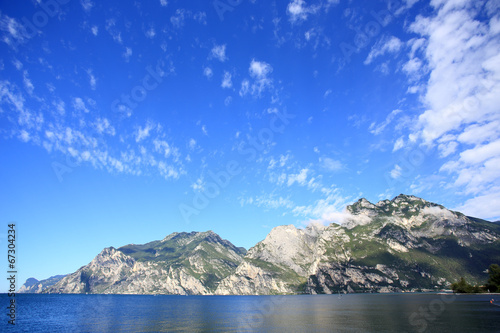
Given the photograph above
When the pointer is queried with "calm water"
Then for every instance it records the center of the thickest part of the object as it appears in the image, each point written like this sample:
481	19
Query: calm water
322	313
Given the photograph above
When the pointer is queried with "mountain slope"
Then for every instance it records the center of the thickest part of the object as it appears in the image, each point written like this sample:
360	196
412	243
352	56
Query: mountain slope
404	244
181	263
33	286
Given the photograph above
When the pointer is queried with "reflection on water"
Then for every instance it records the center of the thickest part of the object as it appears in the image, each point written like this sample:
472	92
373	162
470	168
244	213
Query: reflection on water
304	313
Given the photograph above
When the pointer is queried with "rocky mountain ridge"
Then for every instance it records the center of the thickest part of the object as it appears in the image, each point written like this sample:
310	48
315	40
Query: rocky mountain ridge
181	263
403	244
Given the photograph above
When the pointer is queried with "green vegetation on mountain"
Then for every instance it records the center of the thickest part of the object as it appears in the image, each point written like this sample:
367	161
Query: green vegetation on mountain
403	244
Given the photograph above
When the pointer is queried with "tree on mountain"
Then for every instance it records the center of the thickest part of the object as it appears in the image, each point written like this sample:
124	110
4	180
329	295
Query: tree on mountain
464	288
493	284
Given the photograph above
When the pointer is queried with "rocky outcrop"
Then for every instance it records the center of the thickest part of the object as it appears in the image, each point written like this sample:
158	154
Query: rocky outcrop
33	286
182	263
404	244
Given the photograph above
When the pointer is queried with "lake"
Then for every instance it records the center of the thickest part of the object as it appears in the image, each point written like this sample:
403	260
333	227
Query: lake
304	313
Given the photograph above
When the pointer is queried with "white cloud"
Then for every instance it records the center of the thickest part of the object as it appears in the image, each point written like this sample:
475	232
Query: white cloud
151	33
208	72
259	71
92	79
484	206
168	171
17	64
299	178
79	105
199	185
396	172
298	10
192	144
143	132
464	84
103	126
204	130
330	164
475	134
127	54
400	142
269	201
330	209
245	87
162	147
178	19
14	32
461	93
385	45
95	30
219	52
87	5
27	83
379	128
226	80
113	31
60	107
24	136
200	17
163	3
480	154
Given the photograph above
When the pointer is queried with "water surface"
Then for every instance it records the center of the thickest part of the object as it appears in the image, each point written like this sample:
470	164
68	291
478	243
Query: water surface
305	313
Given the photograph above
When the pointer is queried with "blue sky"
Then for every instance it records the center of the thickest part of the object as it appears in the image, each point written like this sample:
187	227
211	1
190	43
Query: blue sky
122	122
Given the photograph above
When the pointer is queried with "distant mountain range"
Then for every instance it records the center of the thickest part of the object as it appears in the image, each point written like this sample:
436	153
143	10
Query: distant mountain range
404	244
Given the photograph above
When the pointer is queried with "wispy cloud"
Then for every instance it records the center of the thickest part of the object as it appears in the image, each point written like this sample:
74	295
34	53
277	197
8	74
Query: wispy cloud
28	85
330	164
79	105
259	71
379	128
383	46
219	52
143	132
92	79
208	72
226	80
127	54
87	5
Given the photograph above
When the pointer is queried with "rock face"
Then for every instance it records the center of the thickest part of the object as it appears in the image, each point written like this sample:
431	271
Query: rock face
182	263
33	286
404	244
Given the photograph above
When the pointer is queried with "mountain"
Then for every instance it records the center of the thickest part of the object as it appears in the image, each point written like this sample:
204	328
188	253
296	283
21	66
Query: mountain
404	244
33	286
181	263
